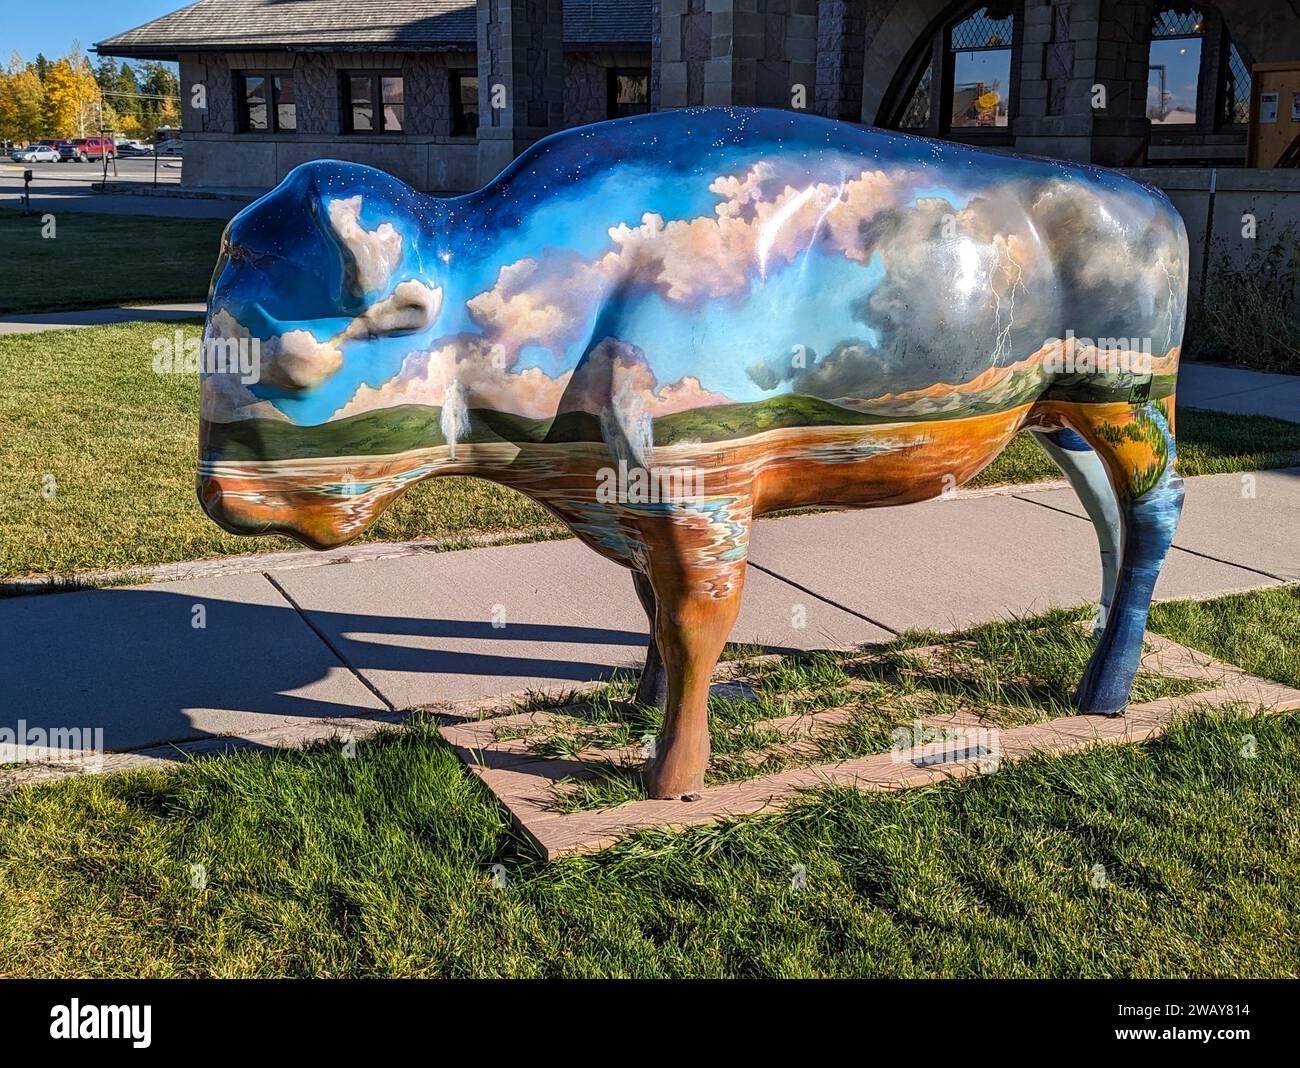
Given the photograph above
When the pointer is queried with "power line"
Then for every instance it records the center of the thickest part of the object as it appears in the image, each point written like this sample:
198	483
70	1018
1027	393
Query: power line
141	96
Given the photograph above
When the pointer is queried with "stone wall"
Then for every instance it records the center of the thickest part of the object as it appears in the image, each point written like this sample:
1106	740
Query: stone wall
586	83
685	51
841	41
849	56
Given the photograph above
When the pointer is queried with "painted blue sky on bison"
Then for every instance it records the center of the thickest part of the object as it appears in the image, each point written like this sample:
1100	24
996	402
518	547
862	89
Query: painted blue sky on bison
699	257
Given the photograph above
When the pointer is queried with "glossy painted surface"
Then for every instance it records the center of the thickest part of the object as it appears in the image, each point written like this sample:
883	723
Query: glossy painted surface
662	326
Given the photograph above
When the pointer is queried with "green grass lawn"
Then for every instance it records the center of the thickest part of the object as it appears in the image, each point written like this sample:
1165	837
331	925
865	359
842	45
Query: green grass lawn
85	407
97	260
380	865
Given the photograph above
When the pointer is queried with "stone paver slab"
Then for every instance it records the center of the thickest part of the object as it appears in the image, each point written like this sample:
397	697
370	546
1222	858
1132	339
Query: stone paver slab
523	783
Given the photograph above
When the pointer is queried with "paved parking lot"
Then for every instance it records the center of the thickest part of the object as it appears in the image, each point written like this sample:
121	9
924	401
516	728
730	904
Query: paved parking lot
74	187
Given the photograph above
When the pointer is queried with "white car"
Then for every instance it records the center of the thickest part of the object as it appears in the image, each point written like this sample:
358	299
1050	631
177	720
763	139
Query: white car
37	154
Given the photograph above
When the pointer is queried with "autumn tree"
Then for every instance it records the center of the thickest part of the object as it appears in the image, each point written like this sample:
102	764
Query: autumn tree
72	97
22	101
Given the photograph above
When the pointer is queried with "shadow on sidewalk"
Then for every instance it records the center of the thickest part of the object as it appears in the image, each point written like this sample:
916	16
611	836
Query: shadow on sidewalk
134	662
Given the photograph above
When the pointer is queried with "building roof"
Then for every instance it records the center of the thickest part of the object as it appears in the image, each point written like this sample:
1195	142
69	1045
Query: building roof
343	25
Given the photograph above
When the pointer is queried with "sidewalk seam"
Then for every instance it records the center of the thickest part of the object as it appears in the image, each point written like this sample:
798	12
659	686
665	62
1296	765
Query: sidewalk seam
329	644
824	599
1179	548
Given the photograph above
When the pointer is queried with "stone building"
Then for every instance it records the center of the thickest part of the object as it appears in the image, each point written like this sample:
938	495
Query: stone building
444	93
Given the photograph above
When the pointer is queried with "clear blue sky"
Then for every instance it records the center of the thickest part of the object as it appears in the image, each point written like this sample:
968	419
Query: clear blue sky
50	26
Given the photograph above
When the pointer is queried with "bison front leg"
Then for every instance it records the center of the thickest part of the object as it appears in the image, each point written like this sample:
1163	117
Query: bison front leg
693	621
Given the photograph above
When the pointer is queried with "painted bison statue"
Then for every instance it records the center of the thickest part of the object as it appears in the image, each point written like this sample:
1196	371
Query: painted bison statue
661	327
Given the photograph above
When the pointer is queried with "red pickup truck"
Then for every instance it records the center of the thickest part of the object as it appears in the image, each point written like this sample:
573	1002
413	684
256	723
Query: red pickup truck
86	149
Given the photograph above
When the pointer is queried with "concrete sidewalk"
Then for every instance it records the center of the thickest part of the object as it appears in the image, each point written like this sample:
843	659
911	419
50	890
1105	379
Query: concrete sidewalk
34	322
294	645
1234	389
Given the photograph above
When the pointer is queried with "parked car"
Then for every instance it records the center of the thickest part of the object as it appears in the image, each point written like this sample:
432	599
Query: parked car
133	148
47	142
94	148
37	153
67	150
173	147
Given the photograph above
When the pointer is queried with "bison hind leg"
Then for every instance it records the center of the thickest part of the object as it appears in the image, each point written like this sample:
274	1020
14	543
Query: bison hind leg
652	690
1087	475
1137	450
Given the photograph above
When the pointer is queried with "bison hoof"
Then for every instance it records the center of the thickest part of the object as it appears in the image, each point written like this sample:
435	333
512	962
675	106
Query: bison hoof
668	784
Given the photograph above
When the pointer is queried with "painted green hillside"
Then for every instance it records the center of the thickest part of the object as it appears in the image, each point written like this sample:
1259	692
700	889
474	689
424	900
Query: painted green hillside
1110	388
725	422
387	430
414	426
384	431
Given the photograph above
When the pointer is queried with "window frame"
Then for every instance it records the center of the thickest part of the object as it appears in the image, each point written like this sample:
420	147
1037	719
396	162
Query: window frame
940	57
611	90
456	98
1205	73
272	91
376	77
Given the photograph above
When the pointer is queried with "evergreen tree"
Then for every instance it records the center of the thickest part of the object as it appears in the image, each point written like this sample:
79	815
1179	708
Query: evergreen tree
161	88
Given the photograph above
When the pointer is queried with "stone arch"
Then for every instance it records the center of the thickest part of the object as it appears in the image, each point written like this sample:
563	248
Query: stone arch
905	24
1266	32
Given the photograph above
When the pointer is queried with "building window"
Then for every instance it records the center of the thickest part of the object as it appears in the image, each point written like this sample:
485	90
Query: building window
265	102
1236	90
464	103
628	92
981	69
1174	66
960	81
916	115
286	108
1198	85
373	102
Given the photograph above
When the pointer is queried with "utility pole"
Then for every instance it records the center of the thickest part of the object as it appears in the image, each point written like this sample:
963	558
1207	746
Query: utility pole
103	147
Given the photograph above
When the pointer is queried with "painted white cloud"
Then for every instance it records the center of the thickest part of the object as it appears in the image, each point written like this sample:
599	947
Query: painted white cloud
411	307
758	222
373	255
296	360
